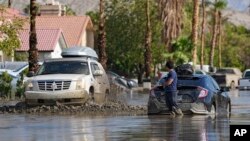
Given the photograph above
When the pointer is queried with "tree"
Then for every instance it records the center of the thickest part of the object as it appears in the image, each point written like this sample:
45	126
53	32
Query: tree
9	3
218	5
147	53
203	33
102	37
9	33
195	29
171	12
69	11
33	52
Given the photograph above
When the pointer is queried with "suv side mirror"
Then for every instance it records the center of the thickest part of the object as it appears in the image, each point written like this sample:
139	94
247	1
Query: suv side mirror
30	74
98	73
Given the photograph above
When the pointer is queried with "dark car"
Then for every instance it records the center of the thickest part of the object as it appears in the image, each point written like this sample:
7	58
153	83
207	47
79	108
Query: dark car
198	94
121	81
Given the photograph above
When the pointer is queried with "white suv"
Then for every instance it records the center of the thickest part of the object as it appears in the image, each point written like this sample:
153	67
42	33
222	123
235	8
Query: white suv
73	79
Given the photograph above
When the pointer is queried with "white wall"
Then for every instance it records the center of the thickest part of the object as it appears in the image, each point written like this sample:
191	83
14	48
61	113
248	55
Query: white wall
84	39
57	52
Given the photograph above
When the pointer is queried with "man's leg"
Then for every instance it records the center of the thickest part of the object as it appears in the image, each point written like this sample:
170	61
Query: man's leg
176	108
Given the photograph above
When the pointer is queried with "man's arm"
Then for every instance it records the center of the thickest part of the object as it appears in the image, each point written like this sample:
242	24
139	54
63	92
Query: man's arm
169	81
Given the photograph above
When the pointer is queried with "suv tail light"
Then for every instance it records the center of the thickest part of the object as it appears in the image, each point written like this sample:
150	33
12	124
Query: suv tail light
203	92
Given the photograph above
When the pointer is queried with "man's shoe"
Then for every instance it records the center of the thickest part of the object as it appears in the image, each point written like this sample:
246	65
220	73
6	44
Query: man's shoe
177	111
172	113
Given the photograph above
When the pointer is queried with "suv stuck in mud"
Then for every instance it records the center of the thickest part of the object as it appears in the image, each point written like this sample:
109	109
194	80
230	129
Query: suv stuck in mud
73	79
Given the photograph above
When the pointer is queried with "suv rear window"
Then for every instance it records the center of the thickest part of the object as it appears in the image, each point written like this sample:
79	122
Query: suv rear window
64	67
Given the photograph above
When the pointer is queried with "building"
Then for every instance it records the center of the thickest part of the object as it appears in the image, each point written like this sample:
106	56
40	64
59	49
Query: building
50	44
77	30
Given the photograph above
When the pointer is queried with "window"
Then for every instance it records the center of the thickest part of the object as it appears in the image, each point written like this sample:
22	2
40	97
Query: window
64	67
94	67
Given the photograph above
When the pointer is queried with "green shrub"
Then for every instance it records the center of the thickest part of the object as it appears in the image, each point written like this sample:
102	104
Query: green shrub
20	89
5	85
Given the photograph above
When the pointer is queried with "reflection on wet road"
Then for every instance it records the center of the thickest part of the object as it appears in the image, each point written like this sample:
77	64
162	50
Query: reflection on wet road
125	128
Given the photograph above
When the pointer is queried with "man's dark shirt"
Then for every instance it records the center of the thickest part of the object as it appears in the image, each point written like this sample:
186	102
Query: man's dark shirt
173	86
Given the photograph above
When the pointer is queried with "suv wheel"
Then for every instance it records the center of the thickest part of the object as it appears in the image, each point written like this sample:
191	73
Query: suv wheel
91	94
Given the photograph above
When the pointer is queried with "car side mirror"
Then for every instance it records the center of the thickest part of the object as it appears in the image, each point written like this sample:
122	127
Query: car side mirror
98	73
30	74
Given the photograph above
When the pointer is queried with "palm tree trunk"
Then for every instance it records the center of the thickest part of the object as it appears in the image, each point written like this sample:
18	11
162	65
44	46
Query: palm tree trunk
147	53
195	29
214	36
203	33
9	3
102	37
220	36
33	52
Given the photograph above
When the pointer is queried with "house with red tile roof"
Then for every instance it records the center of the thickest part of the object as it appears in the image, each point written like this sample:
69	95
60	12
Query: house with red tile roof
77	30
50	43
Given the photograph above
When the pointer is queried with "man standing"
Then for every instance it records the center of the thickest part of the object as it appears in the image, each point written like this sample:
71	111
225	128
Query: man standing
171	89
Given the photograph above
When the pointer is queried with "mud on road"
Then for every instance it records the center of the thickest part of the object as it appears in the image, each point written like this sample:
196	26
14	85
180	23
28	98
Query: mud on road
114	106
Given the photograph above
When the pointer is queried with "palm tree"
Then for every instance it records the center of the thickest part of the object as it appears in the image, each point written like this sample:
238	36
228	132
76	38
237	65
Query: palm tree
33	53
203	33
171	12
147	53
218	5
220	36
195	29
102	37
9	3
214	34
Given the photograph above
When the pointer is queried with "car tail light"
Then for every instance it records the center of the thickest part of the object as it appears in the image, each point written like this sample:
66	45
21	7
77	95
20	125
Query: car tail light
203	92
152	93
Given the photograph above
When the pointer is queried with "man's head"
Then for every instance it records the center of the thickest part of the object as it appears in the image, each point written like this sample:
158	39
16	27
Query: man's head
169	65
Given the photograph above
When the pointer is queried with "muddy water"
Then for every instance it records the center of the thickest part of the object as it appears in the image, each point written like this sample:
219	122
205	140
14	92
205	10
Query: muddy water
34	127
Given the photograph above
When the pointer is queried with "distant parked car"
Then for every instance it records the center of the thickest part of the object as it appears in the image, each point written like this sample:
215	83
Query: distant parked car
227	77
197	94
244	82
120	80
15	70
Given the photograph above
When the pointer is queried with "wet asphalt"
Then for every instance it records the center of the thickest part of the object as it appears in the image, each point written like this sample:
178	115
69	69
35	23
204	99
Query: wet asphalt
35	127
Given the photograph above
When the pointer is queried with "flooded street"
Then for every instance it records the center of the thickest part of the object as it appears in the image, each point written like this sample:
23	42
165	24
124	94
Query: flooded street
34	127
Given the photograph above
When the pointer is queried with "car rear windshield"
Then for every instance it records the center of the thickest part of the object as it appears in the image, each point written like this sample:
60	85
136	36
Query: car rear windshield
247	74
64	67
190	81
225	71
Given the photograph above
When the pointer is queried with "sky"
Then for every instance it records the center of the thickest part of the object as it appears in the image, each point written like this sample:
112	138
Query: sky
240	5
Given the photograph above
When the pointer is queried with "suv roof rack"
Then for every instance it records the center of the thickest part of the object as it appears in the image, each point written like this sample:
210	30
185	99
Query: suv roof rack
79	51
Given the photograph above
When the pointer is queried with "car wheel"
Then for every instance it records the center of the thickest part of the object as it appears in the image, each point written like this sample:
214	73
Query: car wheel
91	94
213	109
232	85
106	98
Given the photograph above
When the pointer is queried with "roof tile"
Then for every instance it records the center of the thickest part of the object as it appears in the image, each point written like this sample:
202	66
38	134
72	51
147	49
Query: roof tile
46	39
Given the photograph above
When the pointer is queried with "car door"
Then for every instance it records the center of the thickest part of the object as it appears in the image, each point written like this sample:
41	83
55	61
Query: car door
97	79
